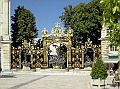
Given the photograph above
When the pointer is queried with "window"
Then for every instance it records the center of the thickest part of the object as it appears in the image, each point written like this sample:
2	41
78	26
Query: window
113	48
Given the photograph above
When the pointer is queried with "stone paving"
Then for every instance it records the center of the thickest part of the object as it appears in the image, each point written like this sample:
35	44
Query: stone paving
42	80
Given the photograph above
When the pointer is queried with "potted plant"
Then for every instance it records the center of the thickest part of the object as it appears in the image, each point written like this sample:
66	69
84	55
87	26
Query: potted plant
99	73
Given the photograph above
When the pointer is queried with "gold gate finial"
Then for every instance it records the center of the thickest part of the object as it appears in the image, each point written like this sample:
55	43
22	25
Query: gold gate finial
57	25
25	44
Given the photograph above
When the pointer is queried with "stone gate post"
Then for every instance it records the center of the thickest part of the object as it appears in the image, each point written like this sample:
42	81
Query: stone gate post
6	55
5	42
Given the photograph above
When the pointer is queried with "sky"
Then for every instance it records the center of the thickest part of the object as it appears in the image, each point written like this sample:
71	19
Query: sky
46	12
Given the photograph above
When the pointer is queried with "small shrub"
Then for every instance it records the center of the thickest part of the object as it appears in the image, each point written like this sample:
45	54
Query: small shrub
99	70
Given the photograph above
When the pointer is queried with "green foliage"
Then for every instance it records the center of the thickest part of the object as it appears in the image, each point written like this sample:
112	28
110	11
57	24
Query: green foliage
99	70
67	16
23	26
111	16
85	20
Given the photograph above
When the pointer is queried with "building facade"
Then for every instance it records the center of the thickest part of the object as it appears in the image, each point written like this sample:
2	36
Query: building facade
109	52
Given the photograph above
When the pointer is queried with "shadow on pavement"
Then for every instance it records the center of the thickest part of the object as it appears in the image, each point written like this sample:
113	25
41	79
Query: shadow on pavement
7	76
23	84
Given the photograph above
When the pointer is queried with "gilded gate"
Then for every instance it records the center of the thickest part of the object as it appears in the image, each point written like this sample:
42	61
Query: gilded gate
37	56
57	36
78	54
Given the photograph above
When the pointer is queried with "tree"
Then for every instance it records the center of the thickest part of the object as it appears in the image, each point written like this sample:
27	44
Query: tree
67	16
23	26
111	17
99	70
85	20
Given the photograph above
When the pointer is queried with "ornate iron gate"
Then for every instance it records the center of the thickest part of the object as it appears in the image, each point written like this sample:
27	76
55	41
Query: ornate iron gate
35	56
78	54
38	56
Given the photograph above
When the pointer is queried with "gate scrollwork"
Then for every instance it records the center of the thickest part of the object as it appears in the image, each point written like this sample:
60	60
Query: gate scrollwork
78	55
35	55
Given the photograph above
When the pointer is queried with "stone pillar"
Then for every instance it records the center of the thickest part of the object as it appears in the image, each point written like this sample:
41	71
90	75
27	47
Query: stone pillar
6	56
5	36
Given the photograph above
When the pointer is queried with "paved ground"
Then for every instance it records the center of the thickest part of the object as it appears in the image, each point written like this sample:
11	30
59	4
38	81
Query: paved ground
42	80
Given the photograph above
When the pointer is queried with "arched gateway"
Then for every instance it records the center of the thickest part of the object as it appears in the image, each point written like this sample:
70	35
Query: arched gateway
57	36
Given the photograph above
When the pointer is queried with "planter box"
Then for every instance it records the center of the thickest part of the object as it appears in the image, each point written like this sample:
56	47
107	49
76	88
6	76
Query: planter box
99	82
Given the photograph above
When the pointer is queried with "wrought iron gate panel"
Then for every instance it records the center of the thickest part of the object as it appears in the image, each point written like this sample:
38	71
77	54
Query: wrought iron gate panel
16	57
78	54
76	57
36	56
